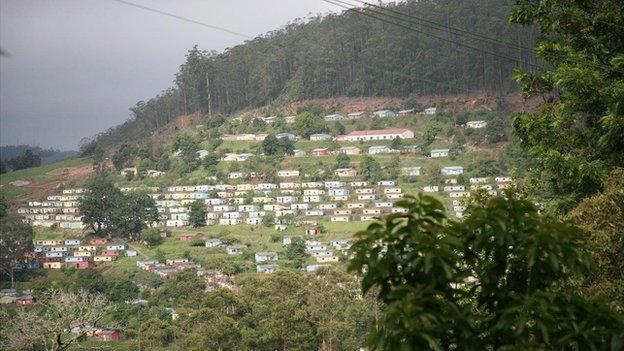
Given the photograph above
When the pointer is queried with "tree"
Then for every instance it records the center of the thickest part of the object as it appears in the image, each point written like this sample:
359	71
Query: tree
431	131
412	103
99	161
26	160
16	239
307	123
106	210
370	168
47	324
602	218
339	128
124	156
197	213
4	205
270	145
136	211
3	167
151	237
296	252
268	220
576	133
397	143
343	161
98	204
493	281
484	166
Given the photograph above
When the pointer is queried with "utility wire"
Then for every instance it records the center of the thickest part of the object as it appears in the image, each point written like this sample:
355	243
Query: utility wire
182	18
435	25
369	14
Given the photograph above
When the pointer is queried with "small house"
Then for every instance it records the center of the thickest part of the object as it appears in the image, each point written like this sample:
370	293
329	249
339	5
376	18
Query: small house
312	229
98	241
430	111
320	152
320	137
131	253
355	115
333	117
350	150
411	171
380	149
476	124
187	238
265	256
267	268
210	243
114	247
345	172
384	114
435	153
288	136
235	249
407	112
452	170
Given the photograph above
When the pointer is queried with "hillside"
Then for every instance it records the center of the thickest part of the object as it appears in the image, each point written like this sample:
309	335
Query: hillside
348	54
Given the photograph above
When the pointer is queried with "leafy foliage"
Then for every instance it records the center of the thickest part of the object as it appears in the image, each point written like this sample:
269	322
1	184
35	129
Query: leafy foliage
106	210
197	213
16	239
576	134
491	282
26	160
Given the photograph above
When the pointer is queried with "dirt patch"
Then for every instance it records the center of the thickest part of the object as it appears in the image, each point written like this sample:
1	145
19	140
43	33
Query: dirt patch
72	173
19	183
344	105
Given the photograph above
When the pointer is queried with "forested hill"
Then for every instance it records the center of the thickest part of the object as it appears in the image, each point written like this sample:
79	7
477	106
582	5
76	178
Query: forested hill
347	54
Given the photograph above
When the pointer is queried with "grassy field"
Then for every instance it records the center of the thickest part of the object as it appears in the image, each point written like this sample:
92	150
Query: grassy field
43	178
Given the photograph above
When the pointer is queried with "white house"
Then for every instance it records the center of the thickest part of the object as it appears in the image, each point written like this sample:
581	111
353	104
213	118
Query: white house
265	256
439	153
267	268
431	189
377	150
355	115
377	134
333	117
212	243
430	111
411	171
452	170
476	124
287	173
320	137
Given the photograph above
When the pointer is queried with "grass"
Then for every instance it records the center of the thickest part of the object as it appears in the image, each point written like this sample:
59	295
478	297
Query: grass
36	176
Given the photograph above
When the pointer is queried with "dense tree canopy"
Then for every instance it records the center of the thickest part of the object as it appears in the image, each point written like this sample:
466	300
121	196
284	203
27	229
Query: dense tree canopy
576	134
106	210
496	281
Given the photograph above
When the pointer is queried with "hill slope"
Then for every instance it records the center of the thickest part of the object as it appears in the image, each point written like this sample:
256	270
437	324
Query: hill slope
341	55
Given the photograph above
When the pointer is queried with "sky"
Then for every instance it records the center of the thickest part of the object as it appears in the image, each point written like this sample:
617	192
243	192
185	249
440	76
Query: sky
74	67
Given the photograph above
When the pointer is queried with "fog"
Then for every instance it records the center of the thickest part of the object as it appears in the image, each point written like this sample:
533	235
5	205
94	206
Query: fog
73	67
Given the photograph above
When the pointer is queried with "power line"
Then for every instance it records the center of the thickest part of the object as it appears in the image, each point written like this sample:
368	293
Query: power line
435	25
368	13
185	19
363	12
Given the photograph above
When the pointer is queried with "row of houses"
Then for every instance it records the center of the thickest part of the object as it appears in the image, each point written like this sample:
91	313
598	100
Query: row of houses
74	253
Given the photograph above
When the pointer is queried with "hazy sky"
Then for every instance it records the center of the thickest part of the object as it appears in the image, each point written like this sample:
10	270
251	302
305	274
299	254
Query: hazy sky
76	66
